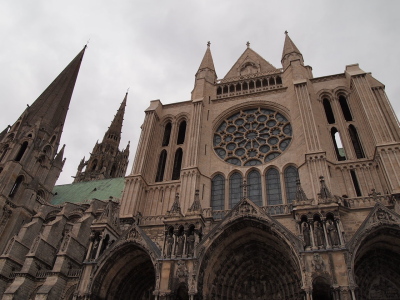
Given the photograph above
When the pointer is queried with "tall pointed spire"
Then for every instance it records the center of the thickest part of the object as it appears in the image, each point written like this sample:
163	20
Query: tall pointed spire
114	131
106	160
207	62
290	50
51	107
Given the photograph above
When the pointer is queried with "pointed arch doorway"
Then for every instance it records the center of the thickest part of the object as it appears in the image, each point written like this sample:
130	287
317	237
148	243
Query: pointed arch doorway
250	260
127	274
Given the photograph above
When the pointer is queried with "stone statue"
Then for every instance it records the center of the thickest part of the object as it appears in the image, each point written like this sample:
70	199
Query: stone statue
181	240
190	244
94	248
170	244
306	234
332	233
319	234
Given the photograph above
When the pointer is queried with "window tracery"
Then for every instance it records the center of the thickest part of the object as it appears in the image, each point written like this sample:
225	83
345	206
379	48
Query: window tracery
252	137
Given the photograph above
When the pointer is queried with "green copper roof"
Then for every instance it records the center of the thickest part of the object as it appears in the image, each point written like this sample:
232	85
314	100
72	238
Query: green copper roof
84	192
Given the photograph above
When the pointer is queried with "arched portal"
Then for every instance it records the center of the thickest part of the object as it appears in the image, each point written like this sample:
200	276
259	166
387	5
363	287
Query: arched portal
321	289
128	274
377	265
250	260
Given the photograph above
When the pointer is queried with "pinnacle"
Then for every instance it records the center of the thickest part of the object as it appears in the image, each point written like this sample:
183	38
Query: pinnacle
289	46
207	62
116	125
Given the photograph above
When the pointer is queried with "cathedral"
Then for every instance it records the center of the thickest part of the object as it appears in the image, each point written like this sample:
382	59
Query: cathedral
267	184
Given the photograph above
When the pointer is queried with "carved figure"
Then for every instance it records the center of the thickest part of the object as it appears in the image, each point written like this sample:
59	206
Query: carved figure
94	248
319	234
181	240
190	243
318	263
170	244
332	233
306	234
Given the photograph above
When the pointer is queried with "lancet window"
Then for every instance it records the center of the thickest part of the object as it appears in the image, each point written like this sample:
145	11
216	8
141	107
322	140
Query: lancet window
16	186
330	117
167	134
235	189
218	192
291	176
161	166
181	133
21	151
273	183
176	173
254	187
345	108
337	143
355	140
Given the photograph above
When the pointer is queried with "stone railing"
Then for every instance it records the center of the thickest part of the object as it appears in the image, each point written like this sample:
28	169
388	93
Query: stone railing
370	201
43	273
74	273
151	220
282	209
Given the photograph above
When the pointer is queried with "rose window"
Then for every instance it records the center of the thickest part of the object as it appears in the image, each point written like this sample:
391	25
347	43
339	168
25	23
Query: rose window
252	137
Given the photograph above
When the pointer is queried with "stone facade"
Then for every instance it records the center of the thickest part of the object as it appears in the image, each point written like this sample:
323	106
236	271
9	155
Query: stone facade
267	184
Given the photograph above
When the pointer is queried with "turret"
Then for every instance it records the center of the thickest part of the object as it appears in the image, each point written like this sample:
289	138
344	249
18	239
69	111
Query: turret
205	76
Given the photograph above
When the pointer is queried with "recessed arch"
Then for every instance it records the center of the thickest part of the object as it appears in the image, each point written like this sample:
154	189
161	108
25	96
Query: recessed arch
377	262
126	273
249	259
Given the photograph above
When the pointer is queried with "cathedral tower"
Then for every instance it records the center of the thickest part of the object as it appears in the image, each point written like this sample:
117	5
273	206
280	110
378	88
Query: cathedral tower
106	160
30	161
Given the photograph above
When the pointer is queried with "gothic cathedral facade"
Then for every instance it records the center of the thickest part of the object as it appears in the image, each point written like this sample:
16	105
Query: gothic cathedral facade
267	184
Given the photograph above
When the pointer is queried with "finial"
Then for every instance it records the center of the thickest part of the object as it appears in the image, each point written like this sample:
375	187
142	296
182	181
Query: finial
87	43
286	32
127	91
248	44
208	44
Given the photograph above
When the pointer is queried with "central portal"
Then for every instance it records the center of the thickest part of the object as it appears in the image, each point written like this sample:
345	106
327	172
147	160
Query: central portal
250	261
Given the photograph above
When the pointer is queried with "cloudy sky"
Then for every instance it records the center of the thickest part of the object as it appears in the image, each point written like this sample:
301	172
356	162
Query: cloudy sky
154	47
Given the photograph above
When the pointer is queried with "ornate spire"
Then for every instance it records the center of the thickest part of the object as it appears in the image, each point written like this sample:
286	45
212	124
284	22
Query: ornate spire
114	131
324	193
52	105
196	205
176	208
300	194
207	62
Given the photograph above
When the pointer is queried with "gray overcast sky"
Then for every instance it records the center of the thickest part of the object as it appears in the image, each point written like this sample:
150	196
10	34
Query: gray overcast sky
154	47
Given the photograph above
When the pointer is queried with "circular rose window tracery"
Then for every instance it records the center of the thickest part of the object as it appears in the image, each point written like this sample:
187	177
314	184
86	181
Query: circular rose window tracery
252	137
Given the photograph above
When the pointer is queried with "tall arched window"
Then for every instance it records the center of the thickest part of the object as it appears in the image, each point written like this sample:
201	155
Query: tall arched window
167	134
345	108
21	151
218	192
235	189
16	185
337	143
355	183
291	176
181	133
274	192
94	165
176	173
356	142
254	182
4	152
161	166
328	111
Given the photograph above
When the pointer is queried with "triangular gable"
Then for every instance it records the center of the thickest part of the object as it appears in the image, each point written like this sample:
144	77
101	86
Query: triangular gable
250	62
247	208
379	215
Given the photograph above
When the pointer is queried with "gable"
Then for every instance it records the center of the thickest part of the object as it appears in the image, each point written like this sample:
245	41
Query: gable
250	62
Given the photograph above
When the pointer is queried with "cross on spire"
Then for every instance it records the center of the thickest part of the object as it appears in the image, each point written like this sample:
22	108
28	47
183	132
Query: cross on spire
208	44
248	44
